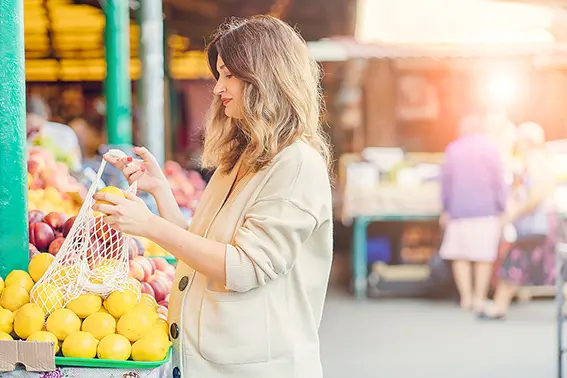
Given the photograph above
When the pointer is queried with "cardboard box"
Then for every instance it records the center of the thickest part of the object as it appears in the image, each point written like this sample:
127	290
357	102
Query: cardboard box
34	356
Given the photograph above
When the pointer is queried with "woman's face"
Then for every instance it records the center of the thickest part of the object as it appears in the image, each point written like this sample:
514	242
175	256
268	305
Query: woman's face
230	89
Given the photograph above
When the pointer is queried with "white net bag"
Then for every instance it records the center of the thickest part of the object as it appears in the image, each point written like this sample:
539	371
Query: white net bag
92	260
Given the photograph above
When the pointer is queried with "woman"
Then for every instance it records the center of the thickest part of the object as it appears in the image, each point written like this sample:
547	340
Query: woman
474	196
253	268
531	258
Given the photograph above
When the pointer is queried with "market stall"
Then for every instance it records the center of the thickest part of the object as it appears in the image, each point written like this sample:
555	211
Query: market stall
387	185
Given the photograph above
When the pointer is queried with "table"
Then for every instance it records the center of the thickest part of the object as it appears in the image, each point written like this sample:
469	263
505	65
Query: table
78	372
359	245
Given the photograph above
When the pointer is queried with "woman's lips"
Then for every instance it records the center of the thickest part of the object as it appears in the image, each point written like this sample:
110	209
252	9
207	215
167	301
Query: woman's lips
225	101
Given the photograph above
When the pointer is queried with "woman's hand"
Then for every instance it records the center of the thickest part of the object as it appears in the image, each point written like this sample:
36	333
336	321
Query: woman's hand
146	171
129	215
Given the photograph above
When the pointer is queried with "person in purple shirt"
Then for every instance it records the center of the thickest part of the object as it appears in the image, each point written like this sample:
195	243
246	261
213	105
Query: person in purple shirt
474	195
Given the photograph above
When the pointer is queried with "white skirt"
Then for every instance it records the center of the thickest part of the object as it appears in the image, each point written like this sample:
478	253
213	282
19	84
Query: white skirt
471	239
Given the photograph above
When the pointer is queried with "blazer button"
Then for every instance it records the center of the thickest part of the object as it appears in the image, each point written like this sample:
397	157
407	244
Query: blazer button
174	330
183	282
176	372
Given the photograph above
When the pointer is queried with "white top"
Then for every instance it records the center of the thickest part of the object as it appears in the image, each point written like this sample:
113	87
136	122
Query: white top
263	321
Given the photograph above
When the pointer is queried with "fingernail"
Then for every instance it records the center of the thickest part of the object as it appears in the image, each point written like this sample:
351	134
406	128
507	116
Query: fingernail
143	169
129	158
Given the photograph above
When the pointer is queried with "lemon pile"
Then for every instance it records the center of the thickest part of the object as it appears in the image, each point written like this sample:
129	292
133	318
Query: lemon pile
123	326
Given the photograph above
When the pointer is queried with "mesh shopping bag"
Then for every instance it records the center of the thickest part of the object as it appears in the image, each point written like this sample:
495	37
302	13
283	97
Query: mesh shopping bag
92	260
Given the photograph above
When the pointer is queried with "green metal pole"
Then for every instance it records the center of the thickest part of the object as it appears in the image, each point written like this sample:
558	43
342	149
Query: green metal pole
117	84
13	170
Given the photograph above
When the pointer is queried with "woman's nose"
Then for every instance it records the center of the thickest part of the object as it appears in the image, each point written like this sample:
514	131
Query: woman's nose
219	88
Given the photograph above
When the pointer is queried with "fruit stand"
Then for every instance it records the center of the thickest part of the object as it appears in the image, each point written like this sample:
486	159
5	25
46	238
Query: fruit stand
388	186
77	299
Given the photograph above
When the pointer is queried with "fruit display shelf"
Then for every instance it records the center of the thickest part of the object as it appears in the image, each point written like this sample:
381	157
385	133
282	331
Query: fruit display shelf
113	364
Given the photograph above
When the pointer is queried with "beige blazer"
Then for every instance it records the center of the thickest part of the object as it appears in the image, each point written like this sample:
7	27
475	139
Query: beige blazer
263	321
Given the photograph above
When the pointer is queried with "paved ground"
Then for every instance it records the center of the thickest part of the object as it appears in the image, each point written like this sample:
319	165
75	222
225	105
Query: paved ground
387	338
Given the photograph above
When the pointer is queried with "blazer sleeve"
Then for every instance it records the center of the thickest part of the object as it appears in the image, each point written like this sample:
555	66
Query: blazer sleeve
267	244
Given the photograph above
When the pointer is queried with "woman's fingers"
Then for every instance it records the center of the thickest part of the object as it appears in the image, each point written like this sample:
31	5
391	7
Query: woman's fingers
135	176
131	168
106	209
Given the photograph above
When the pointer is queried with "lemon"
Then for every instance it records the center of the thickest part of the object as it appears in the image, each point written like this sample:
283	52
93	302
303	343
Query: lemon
44	336
85	305
65	274
29	319
19	278
48	296
149	301
119	302
1	285
14	297
62	323
162	325
6	321
110	190
103	310
80	344
156	333
114	347
99	325
39	264
135	323
150	349
5	336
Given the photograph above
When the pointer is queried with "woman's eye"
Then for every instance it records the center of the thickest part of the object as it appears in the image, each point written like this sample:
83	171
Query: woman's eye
228	76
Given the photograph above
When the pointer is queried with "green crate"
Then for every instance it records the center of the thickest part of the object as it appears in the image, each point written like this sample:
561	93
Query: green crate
170	259
111	364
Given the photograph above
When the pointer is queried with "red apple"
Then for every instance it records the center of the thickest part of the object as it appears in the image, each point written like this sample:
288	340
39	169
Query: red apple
132	248
56	220
153	264
146	266
33	251
147	289
55	245
136	271
41	235
35	216
160	263
160	287
162	310
140	246
169	270
68	225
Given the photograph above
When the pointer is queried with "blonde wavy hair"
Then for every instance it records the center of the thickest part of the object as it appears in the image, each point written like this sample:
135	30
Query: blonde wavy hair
282	97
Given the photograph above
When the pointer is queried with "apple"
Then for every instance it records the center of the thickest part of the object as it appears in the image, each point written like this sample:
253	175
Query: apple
147	289
32	251
136	271
160	263
132	248
160	287
169	270
153	264
56	220
141	249
68	225
55	245
41	235
146	266
162	310
35	216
